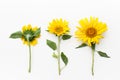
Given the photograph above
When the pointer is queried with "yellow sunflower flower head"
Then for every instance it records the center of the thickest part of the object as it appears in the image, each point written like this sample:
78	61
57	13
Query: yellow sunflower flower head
58	27
32	32
90	31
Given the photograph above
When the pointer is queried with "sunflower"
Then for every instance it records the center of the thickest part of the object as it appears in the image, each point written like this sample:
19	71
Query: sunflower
29	36
58	27
90	31
29	31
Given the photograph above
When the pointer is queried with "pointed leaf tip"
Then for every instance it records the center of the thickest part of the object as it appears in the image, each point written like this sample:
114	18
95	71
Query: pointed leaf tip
103	54
82	45
64	58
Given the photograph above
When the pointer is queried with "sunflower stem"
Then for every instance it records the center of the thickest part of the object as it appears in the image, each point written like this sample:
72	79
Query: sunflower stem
29	69
93	51
93	61
29	58
58	50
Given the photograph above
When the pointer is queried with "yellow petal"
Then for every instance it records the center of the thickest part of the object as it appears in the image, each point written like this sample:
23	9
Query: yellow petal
23	28
34	42
35	28
29	27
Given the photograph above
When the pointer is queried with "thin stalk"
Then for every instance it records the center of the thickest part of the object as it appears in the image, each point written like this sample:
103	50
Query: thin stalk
58	50
29	69
93	62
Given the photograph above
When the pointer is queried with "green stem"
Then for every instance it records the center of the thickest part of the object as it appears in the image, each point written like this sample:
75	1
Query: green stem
58	50
93	61
29	70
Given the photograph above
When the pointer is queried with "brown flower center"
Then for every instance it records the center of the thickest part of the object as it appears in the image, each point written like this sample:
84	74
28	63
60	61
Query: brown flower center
58	29
91	32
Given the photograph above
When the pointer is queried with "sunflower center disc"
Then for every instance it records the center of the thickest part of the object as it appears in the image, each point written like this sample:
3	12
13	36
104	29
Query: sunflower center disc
58	29
91	32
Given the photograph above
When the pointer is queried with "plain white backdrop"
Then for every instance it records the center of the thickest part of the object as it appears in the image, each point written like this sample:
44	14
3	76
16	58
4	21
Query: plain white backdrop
14	55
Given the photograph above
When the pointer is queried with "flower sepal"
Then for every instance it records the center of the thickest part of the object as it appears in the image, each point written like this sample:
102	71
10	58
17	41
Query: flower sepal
37	32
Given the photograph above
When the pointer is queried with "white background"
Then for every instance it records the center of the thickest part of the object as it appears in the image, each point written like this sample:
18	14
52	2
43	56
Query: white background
14	55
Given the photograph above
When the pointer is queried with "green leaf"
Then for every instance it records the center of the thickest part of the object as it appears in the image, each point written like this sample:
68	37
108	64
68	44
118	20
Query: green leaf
17	34
55	55
64	58
82	45
65	37
51	44
37	32
103	54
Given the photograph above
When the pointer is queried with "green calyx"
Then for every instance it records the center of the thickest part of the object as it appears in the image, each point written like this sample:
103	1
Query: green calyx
32	34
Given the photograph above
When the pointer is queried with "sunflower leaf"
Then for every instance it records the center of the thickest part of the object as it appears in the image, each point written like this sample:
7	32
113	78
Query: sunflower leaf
64	58
66	36
103	54
82	45
37	32
51	44
17	34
